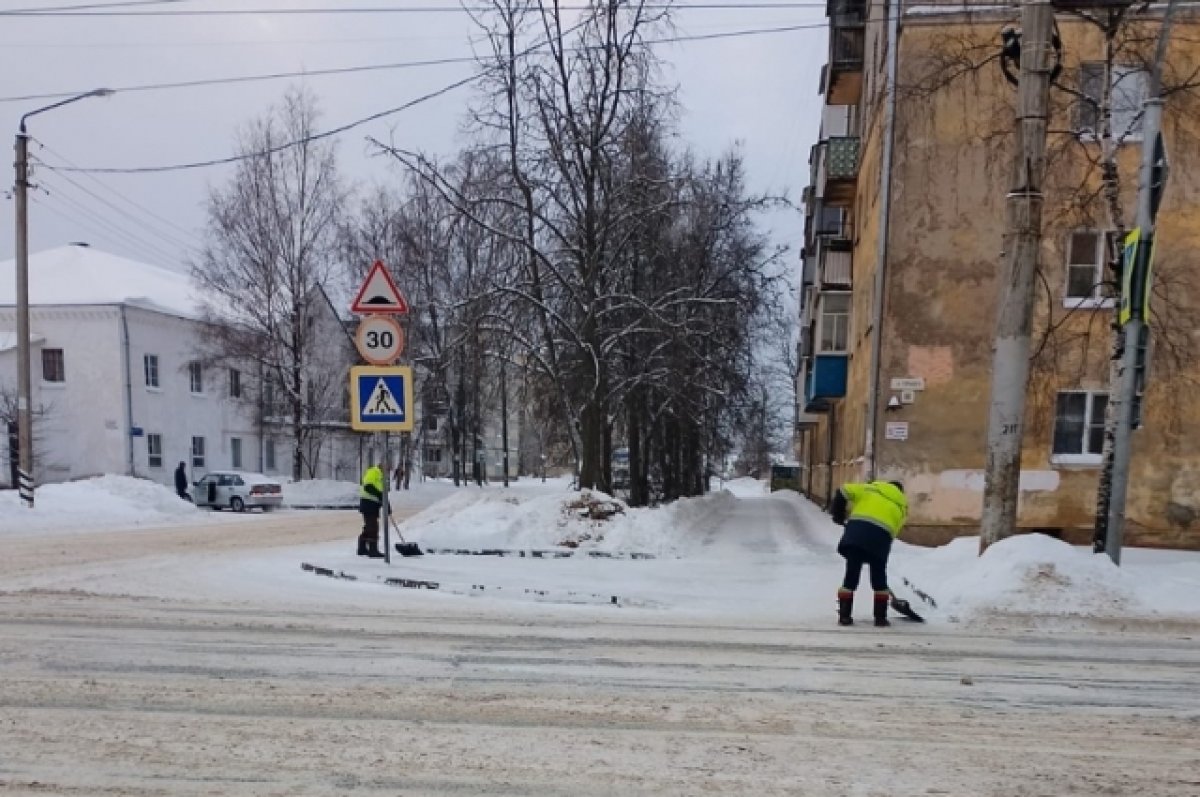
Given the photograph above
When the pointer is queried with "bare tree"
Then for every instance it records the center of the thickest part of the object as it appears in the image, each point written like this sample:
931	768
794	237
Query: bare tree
269	257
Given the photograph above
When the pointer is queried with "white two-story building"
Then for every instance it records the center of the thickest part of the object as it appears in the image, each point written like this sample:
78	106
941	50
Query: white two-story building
119	385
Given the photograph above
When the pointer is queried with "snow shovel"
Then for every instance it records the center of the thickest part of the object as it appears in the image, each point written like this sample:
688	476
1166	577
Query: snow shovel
405	548
906	609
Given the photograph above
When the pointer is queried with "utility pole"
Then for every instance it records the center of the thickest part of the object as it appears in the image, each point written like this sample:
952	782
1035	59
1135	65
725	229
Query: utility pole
24	382
1023	238
504	413
1135	292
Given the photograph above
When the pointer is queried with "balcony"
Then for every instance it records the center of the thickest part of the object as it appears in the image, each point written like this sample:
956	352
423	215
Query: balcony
838	170
825	380
835	262
847	44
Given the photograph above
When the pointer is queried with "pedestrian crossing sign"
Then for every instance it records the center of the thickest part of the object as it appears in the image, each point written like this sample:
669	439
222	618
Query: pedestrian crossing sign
381	398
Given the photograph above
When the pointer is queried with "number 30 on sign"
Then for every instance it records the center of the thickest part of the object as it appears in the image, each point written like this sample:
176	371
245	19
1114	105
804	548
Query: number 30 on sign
380	340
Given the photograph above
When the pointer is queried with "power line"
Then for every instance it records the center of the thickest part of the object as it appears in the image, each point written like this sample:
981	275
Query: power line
427	9
89	7
79	214
391	111
106	187
187	84
272	150
168	238
399	65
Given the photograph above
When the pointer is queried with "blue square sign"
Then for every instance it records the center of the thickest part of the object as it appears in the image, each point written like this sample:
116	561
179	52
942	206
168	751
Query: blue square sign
381	399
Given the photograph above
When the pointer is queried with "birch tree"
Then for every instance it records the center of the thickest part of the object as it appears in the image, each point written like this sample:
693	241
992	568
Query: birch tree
270	254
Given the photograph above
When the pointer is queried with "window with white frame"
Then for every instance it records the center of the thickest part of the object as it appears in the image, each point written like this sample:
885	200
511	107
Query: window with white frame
150	366
196	376
1079	425
269	455
1129	84
835	324
154	450
235	383
197	452
235	452
1087	256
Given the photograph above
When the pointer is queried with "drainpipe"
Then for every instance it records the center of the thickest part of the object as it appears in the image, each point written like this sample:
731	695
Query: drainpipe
881	253
125	357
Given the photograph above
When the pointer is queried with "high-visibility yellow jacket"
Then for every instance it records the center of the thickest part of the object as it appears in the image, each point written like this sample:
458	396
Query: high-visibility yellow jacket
880	503
372	485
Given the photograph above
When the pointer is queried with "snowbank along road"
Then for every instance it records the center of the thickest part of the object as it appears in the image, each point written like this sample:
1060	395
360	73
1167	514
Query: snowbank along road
138	663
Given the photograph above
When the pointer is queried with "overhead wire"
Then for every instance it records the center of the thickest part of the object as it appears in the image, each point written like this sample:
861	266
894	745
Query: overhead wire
307	73
200	164
104	228
171	239
114	192
421	9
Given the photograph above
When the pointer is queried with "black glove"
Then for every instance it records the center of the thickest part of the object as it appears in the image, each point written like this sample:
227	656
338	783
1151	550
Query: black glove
837	509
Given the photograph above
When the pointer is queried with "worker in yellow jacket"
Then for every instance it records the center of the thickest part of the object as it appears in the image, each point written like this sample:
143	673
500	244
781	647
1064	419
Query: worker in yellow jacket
370	504
876	514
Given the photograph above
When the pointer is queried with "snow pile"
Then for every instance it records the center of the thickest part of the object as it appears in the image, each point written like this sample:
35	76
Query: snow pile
1028	574
103	501
587	520
320	493
747	487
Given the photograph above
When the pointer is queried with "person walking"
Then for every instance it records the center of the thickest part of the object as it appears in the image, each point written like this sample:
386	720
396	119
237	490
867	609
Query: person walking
370	504
877	512
181	482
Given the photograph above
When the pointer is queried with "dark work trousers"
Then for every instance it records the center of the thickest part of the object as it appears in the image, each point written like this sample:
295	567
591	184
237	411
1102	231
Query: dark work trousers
370	512
855	559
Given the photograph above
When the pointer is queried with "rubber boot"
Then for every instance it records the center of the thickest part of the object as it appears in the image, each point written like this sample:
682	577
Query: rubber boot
845	607
373	551
362	546
881	608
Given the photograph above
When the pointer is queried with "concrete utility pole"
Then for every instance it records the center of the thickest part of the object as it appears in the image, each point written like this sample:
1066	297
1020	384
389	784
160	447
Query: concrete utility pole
24	386
24	379
1135	330
1022	245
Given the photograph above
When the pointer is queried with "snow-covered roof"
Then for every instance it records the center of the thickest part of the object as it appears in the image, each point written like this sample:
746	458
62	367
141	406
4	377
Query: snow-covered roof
79	274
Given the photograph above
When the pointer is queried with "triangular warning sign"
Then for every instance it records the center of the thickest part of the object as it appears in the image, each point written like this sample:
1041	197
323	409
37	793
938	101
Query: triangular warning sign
381	402
378	293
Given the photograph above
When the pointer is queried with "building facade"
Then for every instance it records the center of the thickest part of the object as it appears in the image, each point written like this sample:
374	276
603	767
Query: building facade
903	258
120	384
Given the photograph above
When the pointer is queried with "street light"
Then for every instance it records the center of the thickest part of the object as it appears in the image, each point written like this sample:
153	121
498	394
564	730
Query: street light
25	394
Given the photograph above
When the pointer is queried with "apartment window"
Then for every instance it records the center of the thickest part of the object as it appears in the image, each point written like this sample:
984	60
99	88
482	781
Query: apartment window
433	455
1130	85
53	366
1079	426
1087	256
150	366
835	323
154	450
196	376
431	423
197	452
269	455
235	452
235	383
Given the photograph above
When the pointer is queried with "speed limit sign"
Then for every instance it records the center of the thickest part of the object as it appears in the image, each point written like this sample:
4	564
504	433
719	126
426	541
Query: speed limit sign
380	340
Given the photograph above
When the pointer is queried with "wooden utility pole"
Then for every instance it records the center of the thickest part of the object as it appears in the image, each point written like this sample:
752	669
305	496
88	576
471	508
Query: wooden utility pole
1022	245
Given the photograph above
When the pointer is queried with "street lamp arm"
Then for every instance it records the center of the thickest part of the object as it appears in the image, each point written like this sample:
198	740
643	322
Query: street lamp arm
68	101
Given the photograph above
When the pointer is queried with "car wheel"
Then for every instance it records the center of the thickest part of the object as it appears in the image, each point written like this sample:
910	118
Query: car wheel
237	504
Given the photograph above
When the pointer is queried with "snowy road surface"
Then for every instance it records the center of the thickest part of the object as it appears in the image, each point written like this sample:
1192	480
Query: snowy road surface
202	661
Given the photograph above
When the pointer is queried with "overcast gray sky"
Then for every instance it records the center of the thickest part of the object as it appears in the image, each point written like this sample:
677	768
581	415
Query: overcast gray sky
758	90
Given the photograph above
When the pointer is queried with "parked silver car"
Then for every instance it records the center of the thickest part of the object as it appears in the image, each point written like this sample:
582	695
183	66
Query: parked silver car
239	491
